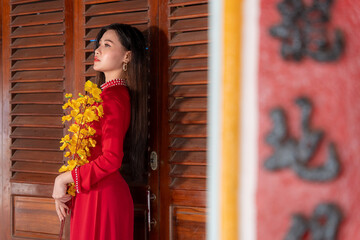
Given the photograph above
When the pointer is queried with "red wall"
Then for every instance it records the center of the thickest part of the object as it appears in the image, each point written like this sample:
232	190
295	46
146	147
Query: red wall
334	89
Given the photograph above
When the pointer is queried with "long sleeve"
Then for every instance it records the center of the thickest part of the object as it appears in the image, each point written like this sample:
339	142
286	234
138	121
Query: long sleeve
116	120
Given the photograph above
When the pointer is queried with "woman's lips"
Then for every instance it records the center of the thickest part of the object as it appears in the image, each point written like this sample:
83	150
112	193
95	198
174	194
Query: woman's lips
96	59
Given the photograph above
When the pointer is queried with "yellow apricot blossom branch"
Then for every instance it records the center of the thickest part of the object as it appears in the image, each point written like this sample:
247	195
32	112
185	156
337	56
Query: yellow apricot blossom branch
81	112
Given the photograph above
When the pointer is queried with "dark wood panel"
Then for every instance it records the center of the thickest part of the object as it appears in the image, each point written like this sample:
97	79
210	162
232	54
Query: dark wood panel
188	171
196	184
37	133
37	156
189	104
38	64
43	87
185	25
35	217
45	110
192	51
41	30
190	91
38	7
32	121
128	18
191	11
42	41
189	65
175	3
116	7
38	98
37	53
189	198
190	78
188	144
38	76
189	158
188	131
189	117
45	18
36	145
34	178
189	38
31	167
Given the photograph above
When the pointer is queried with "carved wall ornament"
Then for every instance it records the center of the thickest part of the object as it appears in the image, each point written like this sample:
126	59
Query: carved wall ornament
304	31
296	153
323	224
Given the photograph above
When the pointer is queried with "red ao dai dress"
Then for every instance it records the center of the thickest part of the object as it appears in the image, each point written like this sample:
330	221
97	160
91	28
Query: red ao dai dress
103	206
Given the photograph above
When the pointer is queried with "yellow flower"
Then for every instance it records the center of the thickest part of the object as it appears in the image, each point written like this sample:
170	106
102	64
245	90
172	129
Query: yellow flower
68	95
66	118
74	128
90	115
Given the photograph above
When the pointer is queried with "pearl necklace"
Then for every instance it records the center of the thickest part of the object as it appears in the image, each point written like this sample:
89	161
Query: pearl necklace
114	82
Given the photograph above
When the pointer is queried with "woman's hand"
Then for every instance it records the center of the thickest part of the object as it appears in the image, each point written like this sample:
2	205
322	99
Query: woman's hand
60	196
62	210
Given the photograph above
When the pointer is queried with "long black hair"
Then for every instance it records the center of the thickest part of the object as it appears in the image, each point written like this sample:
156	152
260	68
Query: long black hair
136	137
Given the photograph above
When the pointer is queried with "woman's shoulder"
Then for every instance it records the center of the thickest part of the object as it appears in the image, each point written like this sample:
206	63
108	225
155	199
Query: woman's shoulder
116	93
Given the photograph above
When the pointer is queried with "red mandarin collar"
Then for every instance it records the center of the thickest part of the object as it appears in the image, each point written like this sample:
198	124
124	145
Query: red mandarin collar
112	83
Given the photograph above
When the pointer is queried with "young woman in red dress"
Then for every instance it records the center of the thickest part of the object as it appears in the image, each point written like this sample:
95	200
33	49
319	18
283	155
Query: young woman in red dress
103	207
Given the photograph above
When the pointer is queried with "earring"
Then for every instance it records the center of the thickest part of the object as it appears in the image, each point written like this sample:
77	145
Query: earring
125	66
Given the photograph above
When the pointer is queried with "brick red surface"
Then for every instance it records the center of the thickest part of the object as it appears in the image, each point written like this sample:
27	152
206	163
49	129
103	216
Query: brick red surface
334	89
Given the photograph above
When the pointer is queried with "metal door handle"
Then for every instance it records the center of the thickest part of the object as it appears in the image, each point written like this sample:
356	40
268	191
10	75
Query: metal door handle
150	222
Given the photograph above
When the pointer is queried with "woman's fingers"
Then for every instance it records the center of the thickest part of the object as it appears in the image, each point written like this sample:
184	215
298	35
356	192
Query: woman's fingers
61	209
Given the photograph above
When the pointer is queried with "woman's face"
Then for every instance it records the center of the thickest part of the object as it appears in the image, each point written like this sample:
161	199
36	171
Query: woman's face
110	55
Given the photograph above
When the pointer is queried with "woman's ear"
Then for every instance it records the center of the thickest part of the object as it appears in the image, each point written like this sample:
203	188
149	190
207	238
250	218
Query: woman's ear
127	57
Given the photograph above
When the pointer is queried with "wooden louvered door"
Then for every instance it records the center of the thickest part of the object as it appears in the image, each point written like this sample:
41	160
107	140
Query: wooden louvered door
187	35
34	84
94	16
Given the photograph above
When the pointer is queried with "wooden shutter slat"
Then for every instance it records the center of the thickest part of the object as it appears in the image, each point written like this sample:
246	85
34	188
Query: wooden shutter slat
189	131
34	178
35	144
35	31
38	76
189	117
39	64
22	1
91	35
127	18
37	156
27	121
190	91
37	133
189	105
38	53
186	25
189	158
190	214
42	109
90	72
190	230
175	3
192	51
89	2
189	78
193	11
188	144
189	198
189	38
46	41
116	7
30	167
188	184
45	18
189	65
181	171
37	87
38	7
38	98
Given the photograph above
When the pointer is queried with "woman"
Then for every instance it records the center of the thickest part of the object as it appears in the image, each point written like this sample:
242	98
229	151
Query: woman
103	206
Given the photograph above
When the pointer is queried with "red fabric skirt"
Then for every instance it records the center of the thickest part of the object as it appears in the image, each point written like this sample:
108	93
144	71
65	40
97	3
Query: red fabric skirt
104	213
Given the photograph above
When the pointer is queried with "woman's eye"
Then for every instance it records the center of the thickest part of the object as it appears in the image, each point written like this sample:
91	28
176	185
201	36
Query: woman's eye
107	45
